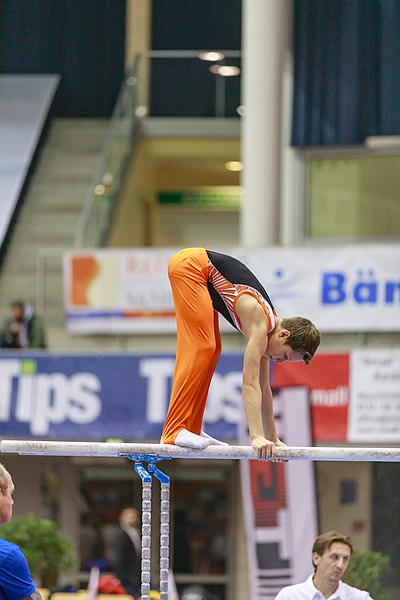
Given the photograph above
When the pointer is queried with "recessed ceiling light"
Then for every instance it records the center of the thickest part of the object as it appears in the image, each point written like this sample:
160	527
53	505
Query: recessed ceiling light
234	165
212	56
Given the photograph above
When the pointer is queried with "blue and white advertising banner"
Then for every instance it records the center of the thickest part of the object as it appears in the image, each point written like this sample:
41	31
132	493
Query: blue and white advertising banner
343	288
97	397
101	397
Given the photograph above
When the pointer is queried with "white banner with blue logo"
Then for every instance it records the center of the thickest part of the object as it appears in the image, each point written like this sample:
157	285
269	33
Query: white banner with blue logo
343	288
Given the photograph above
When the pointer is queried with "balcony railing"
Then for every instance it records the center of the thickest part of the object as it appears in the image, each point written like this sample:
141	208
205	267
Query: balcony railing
171	84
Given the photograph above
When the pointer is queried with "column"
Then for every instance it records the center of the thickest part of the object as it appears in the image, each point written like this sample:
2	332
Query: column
265	36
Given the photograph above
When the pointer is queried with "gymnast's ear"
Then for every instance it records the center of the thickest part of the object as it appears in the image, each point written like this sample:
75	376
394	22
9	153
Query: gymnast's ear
284	333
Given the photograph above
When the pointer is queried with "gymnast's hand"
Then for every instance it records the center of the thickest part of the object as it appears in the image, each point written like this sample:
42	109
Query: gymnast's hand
265	449
278	442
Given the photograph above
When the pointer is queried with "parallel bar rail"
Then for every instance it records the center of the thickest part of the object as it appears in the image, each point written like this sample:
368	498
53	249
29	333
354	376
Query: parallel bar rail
105	449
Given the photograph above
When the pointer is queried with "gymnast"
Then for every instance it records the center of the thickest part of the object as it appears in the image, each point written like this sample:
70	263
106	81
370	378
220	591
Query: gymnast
205	283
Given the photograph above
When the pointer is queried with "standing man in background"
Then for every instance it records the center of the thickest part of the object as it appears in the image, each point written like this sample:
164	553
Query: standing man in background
127	550
15	579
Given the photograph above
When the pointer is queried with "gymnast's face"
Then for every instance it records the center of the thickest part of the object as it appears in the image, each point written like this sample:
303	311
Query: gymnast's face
6	501
279	351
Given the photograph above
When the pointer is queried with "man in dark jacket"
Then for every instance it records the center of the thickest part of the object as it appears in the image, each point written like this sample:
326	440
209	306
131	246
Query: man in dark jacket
22	328
126	551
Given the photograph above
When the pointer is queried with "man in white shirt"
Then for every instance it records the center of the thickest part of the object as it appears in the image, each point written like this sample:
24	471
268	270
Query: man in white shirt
330	556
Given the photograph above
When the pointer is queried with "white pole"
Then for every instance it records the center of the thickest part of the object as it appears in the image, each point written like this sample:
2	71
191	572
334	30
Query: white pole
265	35
105	449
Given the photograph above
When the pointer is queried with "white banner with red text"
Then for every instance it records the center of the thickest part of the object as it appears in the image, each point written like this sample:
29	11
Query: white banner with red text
343	288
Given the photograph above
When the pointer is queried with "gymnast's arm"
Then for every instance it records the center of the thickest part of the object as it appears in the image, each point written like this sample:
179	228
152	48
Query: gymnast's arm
267	403
267	407
252	396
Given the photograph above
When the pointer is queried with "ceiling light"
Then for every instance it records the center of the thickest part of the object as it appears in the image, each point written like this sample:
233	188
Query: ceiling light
225	70
382	141
107	179
99	189
141	111
211	56
234	165
131	80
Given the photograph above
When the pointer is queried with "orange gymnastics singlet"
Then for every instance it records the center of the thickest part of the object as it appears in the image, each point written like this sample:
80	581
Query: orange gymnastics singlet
228	280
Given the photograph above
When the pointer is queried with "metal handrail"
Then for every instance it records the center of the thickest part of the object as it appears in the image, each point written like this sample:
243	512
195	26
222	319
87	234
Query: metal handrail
127	119
102	164
188	53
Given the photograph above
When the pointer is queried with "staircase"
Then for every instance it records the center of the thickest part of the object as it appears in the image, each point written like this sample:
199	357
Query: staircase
47	222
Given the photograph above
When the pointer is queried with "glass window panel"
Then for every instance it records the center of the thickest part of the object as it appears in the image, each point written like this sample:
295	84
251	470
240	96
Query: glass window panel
354	197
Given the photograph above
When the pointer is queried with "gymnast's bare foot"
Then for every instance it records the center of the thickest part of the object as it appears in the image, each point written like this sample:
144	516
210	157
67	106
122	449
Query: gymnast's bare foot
213	441
187	439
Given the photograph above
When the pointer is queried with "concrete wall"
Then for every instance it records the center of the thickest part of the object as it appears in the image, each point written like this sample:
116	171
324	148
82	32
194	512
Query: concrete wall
352	518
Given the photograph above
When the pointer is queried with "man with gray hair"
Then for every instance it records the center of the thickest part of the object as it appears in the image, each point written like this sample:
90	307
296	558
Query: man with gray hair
16	582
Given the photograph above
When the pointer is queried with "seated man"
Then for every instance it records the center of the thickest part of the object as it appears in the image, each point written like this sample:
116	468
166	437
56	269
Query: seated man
330	557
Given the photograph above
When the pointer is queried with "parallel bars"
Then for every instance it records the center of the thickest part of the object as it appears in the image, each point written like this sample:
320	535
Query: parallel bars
153	453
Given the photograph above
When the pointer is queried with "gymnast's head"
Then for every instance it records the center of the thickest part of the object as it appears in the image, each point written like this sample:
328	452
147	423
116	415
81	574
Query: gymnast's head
294	339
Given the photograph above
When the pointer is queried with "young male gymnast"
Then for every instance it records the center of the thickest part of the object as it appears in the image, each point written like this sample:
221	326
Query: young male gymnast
205	283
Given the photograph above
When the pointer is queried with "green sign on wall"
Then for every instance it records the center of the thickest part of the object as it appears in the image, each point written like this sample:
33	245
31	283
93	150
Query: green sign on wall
213	198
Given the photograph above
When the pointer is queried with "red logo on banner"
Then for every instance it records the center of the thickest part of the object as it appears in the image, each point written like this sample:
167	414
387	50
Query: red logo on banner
268	491
327	378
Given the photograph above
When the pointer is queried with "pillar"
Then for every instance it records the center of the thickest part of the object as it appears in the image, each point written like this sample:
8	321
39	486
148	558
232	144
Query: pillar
265	35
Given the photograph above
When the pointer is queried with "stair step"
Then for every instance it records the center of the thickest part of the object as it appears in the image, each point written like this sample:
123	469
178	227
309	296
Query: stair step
52	221
47	221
